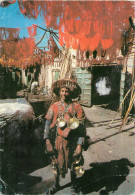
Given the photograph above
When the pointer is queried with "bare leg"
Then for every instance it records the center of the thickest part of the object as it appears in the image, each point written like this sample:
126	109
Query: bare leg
56	179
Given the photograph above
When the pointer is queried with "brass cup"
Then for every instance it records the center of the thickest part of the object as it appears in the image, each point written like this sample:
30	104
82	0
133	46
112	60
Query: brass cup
79	170
73	123
61	122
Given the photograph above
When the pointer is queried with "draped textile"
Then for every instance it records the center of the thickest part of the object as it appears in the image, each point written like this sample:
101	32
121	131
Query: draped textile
84	25
9	33
98	23
32	30
17	52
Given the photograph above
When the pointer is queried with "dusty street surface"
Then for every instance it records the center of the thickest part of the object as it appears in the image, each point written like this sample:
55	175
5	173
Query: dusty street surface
109	161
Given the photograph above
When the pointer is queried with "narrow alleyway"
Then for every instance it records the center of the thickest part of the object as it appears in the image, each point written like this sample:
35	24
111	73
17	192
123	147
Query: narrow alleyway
109	161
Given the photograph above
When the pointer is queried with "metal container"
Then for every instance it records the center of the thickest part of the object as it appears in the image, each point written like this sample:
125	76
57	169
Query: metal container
61	122
77	165
73	123
79	170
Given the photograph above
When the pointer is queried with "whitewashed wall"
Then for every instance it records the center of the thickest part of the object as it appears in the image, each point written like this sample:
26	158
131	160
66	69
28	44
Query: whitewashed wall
41	78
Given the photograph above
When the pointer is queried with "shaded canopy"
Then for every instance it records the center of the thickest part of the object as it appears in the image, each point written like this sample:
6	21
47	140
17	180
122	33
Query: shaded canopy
17	52
83	24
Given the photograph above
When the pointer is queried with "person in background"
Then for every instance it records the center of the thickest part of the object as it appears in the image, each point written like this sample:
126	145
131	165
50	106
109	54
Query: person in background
65	119
34	86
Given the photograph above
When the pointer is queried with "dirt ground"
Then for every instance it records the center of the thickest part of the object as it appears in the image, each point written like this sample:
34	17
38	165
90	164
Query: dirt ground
109	161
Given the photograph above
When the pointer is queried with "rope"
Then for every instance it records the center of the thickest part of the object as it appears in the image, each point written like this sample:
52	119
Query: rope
47	30
41	39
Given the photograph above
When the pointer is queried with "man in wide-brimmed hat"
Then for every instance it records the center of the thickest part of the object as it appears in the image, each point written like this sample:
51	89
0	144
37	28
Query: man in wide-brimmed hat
66	119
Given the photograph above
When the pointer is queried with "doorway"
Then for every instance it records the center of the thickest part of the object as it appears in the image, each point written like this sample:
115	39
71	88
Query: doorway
106	86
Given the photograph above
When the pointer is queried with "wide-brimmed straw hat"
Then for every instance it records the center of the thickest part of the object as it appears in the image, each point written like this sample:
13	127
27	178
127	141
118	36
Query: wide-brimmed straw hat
68	83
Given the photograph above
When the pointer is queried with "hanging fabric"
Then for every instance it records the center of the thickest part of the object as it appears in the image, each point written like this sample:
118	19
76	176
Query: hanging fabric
84	25
13	33
94	42
106	43
74	42
17	51
83	42
109	18
77	26
61	38
32	30
69	25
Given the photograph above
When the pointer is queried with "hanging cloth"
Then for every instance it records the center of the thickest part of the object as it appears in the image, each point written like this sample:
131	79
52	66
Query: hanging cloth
94	41
32	30
13	33
106	43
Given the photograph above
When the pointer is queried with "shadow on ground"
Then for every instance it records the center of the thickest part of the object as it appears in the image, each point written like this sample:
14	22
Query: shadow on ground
89	123
101	177
104	177
24	153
